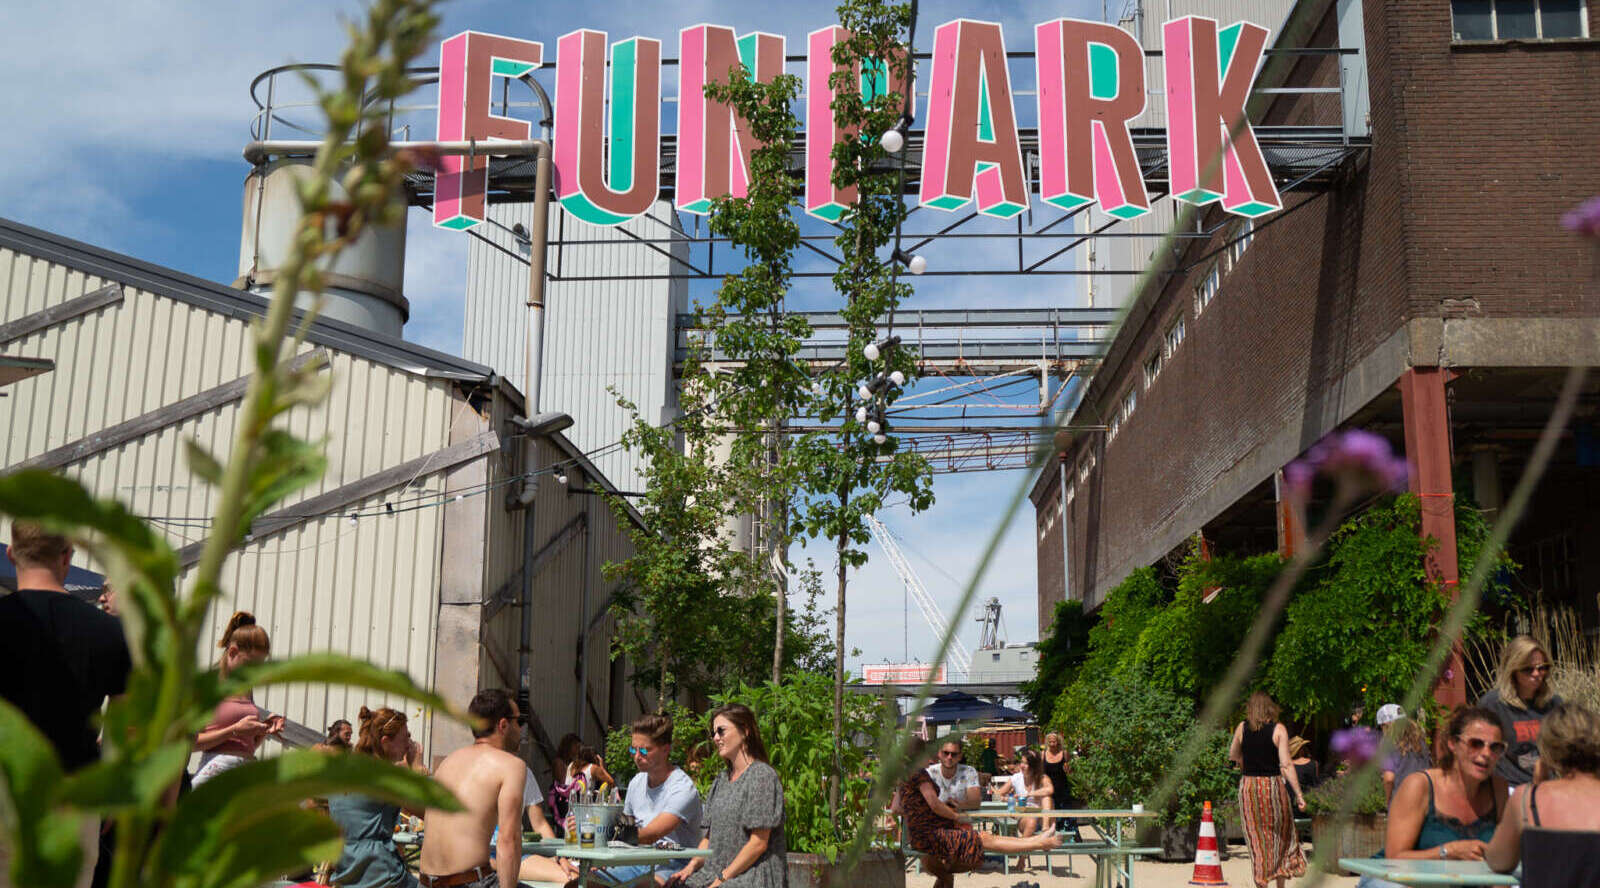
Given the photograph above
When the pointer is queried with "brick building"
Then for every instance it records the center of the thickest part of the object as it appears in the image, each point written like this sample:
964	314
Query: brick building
1428	292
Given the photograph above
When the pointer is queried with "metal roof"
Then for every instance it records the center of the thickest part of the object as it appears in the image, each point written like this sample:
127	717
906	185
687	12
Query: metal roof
212	296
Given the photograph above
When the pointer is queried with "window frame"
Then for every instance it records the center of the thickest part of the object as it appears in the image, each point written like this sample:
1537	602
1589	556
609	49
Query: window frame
1169	344
1538	25
1206	290
1152	367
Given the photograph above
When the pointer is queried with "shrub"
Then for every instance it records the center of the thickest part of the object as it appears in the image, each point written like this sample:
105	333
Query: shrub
1129	733
1326	797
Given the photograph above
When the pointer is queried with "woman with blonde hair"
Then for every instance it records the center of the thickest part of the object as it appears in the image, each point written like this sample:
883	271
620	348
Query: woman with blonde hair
1261	749
1407	753
238	725
369	859
1521	698
1553	825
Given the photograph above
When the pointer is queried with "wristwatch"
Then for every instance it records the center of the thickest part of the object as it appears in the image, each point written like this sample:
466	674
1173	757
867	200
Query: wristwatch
1444	852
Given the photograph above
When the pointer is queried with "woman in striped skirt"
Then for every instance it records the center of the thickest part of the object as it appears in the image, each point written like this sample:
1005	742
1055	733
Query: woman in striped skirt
1261	748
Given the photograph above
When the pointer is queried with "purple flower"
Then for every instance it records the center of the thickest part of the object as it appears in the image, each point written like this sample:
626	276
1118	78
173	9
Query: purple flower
1355	746
1585	219
1355	458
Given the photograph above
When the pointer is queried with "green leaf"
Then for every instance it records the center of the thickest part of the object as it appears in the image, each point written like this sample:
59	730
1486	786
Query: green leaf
225	807
43	837
111	786
326	668
264	847
64	506
283	465
202	463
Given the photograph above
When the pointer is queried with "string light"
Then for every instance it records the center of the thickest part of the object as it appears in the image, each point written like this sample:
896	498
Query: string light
898	378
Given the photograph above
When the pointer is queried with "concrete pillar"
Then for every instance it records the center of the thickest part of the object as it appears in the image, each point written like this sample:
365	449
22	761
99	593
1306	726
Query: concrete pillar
1486	481
1427	425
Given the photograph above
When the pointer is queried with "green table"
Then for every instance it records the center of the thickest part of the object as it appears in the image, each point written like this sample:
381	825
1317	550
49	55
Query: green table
601	857
1427	872
1107	868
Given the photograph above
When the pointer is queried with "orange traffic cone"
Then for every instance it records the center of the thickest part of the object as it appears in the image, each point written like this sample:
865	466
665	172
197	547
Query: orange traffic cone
1207	863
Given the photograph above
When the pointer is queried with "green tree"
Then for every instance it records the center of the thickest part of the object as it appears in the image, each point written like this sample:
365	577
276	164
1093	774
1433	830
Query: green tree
1188	645
1361	631
844	479
246	826
1060	652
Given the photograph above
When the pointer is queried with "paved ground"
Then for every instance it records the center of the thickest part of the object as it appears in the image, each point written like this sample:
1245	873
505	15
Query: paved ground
1147	874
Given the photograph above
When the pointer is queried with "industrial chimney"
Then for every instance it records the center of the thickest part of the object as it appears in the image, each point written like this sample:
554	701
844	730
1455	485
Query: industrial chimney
362	286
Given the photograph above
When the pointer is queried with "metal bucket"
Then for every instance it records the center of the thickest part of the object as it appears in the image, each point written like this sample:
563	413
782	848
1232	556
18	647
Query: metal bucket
604	818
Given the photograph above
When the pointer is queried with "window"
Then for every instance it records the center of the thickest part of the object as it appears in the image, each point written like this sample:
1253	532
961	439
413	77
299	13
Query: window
1518	19
1085	467
1207	289
1174	338
996	656
1072	493
1152	368
1242	237
1115	426
1129	402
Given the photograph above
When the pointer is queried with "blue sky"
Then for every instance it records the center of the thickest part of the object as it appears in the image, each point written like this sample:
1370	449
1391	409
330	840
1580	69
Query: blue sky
124	126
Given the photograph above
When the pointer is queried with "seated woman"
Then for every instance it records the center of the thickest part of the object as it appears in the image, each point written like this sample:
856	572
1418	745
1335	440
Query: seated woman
1449	812
743	823
946	835
1552	825
369	859
1031	788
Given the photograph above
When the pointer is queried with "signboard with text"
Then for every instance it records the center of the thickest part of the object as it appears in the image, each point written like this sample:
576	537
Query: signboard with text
1091	87
900	673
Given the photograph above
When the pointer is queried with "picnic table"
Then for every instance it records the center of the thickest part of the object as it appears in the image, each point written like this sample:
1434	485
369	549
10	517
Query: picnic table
1112	859
600	857
1428	872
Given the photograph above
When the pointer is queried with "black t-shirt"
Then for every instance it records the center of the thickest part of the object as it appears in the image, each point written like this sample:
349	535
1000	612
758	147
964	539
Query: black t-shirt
59	660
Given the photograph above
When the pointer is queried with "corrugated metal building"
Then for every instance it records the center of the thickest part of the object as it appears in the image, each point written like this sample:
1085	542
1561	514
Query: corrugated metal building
146	357
598	334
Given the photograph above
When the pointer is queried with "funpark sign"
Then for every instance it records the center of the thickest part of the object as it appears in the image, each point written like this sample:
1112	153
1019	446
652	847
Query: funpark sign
1091	87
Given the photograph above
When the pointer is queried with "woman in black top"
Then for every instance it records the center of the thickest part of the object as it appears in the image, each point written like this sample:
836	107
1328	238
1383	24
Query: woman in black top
1304	767
1056	765
1553	824
1261	747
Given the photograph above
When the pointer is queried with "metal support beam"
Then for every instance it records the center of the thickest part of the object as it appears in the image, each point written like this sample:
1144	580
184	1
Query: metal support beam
27	325
1423	404
149	423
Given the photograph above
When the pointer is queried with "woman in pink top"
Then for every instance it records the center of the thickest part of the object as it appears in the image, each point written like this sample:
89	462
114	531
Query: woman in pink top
236	729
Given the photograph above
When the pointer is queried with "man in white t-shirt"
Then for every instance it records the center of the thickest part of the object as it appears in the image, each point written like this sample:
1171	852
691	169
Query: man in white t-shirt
958	783
661	798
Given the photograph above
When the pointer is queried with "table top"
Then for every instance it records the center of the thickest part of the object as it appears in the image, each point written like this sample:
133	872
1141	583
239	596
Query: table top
1065	812
602	854
1427	872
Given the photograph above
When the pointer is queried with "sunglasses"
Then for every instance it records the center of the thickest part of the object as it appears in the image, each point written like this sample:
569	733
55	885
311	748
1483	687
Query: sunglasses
1535	670
719	730
1476	744
948	752
638	750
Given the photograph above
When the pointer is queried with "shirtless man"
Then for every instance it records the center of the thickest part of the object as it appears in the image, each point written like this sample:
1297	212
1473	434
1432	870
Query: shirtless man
488	780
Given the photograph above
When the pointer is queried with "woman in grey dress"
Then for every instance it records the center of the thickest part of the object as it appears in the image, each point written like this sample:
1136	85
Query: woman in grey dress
743	822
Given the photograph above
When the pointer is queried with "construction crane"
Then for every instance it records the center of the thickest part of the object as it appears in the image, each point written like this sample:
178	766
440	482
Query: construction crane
960	659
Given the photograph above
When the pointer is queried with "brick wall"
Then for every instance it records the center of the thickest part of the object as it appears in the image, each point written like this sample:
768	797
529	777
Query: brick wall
1476	153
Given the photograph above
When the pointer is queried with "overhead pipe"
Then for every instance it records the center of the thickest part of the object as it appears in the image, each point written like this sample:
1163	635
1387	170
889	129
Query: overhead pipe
259	152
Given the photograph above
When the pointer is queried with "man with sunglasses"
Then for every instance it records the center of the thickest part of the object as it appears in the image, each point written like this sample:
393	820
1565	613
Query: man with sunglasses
958	783
489	781
662	799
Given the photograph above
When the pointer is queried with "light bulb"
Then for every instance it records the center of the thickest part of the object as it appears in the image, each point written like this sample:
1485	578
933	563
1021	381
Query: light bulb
897	378
864	392
861	414
871	351
874	427
816	389
561	478
879	438
352	521
918	264
892	141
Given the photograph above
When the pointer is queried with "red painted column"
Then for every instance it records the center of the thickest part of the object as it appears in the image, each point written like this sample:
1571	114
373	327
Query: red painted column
1427	425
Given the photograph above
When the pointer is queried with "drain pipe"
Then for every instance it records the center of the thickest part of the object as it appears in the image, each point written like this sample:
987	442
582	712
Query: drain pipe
533	355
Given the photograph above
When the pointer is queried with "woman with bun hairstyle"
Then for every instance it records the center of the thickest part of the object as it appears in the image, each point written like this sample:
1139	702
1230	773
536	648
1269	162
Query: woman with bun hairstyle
237	726
369	859
1552	825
